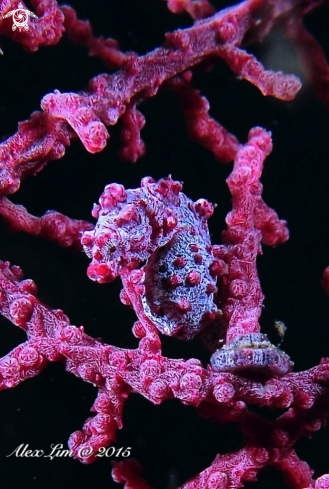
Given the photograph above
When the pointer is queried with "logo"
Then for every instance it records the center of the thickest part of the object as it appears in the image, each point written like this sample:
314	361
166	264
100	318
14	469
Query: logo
20	17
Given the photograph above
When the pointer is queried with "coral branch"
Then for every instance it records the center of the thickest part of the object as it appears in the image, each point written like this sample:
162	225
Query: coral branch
156	240
198	9
37	141
44	31
313	57
144	370
87	113
201	126
80	31
53	225
241	294
132	146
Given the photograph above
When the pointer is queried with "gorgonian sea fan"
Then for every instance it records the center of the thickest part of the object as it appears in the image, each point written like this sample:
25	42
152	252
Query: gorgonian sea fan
179	278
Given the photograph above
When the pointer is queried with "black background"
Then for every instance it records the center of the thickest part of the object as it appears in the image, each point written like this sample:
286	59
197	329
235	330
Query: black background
171	441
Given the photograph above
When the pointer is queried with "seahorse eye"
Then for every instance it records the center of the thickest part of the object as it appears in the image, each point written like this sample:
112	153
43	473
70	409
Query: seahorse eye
163	268
110	248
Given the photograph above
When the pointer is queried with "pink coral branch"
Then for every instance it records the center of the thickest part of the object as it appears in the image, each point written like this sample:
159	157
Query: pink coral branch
313	58
144	370
241	293
86	114
53	225
277	85
297	472
37	141
117	372
325	280
156	240
198	9
80	31
129	473
201	126
132	147
44	31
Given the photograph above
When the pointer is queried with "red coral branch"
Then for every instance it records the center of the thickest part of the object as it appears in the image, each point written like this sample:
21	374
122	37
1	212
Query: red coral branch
157	241
86	114
44	31
313	57
80	32
197	9
201	126
53	225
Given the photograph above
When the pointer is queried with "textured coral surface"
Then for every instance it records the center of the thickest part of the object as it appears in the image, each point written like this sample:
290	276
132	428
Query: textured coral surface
172	440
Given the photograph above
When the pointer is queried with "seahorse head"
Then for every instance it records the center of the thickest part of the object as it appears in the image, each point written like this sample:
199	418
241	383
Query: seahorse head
120	237
133	223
